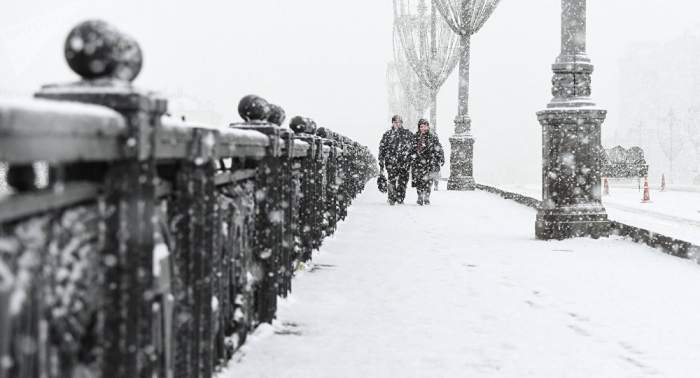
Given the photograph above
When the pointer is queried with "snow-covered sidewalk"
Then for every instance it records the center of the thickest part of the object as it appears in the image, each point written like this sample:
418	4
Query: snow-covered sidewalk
461	288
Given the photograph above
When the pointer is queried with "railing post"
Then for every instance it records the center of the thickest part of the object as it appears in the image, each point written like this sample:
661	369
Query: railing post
241	268
343	195
286	266
304	130
6	286
297	165
128	207
192	224
269	223
358	163
331	184
352	171
317	223
331	193
307	199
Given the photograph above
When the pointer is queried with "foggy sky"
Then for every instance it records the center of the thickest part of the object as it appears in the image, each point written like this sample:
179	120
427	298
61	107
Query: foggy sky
326	59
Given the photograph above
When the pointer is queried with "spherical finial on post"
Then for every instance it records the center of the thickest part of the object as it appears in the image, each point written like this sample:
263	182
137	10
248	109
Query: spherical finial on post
324	132
297	124
254	108
277	115
95	49
302	125
130	59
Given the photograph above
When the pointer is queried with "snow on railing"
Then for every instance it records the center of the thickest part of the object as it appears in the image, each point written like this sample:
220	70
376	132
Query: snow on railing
48	130
157	244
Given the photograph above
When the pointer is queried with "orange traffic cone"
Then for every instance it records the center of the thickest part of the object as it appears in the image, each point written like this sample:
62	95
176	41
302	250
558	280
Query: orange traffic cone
663	182
646	191
606	188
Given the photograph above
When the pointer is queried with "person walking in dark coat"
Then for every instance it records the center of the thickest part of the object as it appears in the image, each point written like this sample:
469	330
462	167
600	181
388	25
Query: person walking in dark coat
394	154
427	156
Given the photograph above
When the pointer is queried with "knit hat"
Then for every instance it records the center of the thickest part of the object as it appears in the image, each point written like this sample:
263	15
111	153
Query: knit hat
396	118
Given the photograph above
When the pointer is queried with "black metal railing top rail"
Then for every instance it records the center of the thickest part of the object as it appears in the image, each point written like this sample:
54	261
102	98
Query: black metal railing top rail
157	244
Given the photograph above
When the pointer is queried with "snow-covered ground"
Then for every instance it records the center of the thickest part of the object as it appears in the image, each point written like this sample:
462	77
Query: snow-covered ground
461	288
672	213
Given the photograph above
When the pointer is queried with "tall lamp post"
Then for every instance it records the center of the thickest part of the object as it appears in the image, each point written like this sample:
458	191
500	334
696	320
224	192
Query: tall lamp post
465	17
693	131
571	147
671	144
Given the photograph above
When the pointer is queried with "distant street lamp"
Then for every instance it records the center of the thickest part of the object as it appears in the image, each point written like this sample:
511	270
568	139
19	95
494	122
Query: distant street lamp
427	44
465	17
671	144
571	149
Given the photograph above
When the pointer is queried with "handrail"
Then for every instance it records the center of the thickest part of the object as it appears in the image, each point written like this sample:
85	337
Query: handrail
148	220
29	204
32	130
174	138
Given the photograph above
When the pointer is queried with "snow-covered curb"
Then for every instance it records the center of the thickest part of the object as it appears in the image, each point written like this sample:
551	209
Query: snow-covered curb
672	246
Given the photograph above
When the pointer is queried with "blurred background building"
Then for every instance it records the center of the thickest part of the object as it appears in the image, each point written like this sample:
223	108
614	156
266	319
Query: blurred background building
659	102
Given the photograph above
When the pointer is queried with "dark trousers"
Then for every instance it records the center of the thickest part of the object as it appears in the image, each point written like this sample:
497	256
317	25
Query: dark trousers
423	188
398	179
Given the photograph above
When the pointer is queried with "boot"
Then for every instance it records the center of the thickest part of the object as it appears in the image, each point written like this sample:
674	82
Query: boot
426	197
420	199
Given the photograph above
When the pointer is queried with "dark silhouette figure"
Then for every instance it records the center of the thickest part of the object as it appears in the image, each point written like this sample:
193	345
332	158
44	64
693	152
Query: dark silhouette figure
394	155
427	158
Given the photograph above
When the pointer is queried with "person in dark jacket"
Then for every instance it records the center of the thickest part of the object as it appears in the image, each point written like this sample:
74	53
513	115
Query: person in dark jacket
427	156
394	154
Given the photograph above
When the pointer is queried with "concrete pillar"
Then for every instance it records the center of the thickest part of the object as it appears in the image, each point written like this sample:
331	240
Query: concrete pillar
571	148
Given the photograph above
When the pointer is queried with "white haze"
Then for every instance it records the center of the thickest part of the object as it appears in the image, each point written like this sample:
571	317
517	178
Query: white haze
326	59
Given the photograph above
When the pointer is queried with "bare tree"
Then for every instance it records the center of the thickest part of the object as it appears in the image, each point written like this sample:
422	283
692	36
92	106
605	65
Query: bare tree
693	128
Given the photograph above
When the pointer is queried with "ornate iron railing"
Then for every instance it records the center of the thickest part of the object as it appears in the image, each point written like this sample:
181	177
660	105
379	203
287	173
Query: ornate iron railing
158	244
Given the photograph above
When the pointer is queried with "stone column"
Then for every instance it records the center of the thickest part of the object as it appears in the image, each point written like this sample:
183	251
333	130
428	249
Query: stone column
571	125
462	142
